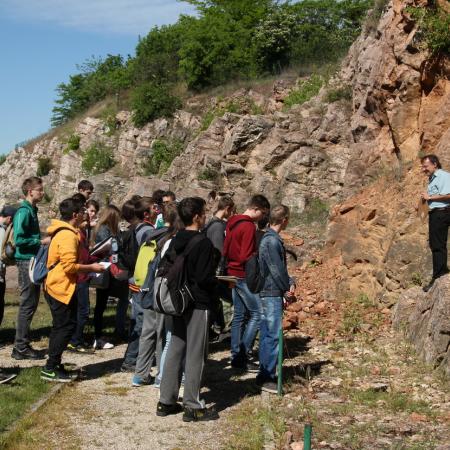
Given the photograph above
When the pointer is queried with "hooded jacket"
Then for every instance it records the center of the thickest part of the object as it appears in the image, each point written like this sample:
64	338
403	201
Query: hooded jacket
240	244
64	250
201	265
27	235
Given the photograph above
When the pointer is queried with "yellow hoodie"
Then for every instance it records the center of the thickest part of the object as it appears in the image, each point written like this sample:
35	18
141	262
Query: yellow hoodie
62	279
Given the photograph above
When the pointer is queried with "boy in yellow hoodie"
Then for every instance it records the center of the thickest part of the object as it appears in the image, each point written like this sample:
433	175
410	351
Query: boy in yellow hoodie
59	289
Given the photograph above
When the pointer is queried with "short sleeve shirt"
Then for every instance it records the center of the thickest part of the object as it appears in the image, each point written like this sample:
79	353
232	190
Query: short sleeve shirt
439	184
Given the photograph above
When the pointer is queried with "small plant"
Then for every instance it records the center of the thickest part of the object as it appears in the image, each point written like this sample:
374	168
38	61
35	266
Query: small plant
231	107
305	91
73	143
98	158
341	93
352	321
316	211
164	152
44	166
2	159
416	279
208	174
364	300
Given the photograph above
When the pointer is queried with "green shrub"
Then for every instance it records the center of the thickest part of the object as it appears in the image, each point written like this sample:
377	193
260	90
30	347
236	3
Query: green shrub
151	101
44	166
2	159
164	152
73	143
305	91
341	93
208	174
316	211
434	26
98	158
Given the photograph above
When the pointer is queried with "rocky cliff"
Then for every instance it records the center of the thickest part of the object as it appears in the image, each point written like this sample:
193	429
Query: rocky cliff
359	156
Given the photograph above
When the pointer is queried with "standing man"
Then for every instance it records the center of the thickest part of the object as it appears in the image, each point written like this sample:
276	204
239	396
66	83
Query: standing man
277	284
438	198
6	217
27	238
239	246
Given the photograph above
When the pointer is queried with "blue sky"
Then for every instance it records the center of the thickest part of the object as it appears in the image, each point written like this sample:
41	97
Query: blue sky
42	41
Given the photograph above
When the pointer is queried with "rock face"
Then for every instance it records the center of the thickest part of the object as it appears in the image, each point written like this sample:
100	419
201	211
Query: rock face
425	319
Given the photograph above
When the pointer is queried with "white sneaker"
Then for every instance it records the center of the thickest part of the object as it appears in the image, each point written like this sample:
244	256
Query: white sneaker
102	345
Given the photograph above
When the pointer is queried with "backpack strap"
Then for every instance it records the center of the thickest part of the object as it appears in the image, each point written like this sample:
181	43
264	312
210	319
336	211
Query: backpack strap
193	242
53	235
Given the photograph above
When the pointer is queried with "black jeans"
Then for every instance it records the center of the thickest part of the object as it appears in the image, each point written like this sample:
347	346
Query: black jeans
64	321
118	289
82	292
2	300
439	222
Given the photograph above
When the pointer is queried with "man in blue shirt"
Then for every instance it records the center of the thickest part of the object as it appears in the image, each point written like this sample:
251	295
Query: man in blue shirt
438	199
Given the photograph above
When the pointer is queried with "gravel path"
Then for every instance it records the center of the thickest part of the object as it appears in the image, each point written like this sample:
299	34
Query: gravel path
114	415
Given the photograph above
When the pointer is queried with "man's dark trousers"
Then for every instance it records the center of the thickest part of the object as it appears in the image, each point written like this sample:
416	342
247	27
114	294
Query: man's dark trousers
439	223
64	322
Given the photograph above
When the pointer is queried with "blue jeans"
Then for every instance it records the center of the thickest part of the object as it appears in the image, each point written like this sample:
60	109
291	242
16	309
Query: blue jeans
82	292
272	314
243	335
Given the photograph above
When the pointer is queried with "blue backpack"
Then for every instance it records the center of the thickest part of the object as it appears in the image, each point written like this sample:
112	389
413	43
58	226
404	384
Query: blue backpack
38	270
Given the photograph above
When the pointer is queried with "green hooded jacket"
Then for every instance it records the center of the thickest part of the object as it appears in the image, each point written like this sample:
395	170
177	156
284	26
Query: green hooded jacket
27	235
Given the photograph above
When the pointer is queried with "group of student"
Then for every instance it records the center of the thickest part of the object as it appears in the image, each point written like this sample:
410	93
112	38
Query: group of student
161	229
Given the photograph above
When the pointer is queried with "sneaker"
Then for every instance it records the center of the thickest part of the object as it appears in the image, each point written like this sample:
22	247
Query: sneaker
58	375
248	366
270	386
6	378
28	353
126	367
73	374
101	344
80	349
138	381
163	410
252	367
199	415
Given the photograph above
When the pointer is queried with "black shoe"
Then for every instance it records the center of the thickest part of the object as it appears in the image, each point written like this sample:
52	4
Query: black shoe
163	410
72	374
199	415
58	375
125	367
6	378
270	386
74	348
28	353
429	285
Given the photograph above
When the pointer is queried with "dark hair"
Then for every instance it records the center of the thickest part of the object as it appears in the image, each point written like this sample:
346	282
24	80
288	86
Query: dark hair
79	198
225	202
259	201
171	195
433	160
135	198
278	214
94	203
157	196
68	207
190	207
142	206
85	185
128	211
31	183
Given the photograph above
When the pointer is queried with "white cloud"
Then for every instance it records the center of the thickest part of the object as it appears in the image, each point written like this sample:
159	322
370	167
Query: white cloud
110	16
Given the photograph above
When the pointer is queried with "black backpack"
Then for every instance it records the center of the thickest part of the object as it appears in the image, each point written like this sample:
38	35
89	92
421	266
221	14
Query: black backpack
171	292
129	248
253	276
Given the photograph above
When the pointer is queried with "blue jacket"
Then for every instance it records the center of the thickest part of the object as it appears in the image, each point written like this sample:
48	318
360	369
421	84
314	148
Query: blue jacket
272	262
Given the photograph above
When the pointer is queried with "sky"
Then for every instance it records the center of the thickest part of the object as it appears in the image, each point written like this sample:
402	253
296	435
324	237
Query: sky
43	41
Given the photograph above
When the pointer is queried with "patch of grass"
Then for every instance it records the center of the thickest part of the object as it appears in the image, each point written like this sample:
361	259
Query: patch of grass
2	159
98	158
17	397
73	144
208	174
44	166
164	152
305	91
351	321
117	390
316	212
416	279
364	300
340	93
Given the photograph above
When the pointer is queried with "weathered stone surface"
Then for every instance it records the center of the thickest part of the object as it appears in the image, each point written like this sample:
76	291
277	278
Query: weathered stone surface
425	319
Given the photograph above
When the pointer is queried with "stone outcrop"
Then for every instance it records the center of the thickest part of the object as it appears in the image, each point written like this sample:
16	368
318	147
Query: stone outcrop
425	320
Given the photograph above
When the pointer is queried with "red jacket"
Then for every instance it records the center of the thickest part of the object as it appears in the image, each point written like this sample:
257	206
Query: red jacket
240	244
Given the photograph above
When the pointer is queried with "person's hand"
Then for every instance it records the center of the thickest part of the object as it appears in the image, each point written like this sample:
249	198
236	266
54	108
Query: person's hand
97	267
46	240
425	196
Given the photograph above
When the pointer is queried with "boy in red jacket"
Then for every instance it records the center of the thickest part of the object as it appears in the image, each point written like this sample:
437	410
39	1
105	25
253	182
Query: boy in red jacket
239	246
